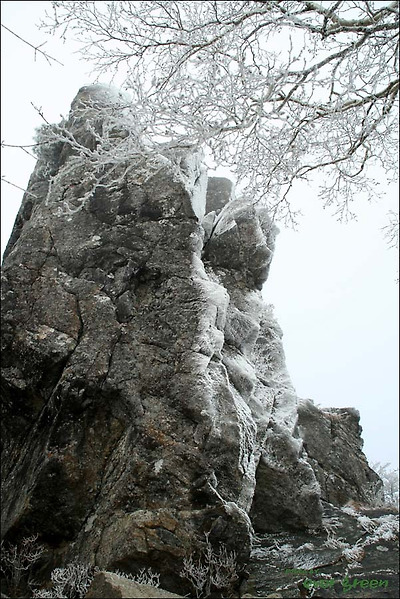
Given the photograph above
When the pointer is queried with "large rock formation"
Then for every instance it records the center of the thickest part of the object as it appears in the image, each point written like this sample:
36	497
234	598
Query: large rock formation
145	394
332	439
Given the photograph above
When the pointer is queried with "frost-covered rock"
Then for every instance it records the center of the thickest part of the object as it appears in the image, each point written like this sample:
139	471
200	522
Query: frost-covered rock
146	397
353	554
332	439
242	240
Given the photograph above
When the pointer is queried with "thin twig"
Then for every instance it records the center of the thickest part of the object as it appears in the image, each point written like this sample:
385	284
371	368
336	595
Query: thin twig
18	187
36	48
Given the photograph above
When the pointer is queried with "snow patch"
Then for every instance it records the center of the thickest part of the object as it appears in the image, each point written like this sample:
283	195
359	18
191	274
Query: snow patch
158	465
193	174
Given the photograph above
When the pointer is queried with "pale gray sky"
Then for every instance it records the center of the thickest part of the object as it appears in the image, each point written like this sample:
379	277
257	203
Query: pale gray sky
333	285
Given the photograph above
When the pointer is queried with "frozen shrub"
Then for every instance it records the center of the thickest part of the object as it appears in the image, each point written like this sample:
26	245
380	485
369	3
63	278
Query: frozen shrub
70	582
144	577
73	581
17	562
211	569
354	555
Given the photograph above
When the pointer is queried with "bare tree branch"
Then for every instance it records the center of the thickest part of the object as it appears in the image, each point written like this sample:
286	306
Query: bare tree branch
275	90
17	186
35	48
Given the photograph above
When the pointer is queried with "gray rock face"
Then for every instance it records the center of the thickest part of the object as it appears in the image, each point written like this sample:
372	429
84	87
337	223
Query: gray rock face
219	193
333	442
146	399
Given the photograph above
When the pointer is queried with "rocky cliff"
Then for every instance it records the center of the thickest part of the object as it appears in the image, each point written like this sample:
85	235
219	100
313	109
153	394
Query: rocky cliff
146	400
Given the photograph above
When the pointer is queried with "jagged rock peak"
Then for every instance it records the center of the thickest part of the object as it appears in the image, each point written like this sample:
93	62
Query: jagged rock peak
98	95
332	439
147	400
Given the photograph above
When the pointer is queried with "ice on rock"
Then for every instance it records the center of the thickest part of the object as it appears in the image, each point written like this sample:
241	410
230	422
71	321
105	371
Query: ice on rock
145	377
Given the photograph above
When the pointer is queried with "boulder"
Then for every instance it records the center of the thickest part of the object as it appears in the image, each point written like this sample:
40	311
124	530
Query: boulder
107	585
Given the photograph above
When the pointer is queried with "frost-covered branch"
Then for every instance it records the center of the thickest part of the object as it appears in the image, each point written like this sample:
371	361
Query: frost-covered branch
391	230
276	90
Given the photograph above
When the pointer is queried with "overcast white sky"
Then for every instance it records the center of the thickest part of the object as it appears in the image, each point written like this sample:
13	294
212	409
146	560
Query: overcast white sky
333	285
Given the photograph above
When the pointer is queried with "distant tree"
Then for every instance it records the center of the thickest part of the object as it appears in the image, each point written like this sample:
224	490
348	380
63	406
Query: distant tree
275	89
390	479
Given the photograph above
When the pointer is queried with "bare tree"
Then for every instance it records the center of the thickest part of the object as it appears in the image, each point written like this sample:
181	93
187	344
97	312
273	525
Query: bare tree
274	89
390	479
